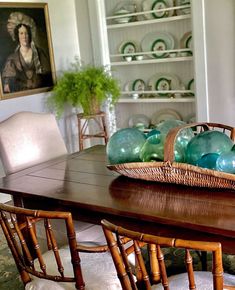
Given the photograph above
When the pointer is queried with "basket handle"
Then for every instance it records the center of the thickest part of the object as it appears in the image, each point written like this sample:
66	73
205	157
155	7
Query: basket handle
171	138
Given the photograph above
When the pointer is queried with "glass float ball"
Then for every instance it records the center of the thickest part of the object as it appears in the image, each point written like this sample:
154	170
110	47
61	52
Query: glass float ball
153	149
226	162
179	153
165	126
182	139
124	146
208	161
153	132
207	142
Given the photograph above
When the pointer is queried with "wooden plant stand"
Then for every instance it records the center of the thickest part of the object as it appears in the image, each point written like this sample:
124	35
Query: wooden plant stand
83	125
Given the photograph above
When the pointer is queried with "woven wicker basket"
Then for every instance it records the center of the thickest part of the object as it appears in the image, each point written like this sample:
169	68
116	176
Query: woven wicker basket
180	173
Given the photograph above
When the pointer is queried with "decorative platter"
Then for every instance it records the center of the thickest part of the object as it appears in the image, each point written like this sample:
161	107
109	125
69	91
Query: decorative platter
157	42
163	115
135	85
128	47
190	85
164	82
186	41
148	5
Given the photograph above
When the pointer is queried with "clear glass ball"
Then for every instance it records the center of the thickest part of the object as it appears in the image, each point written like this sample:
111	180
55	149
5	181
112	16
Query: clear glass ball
125	145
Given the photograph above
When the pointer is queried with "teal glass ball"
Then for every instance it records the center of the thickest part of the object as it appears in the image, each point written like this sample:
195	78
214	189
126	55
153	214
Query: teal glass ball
153	132
208	161
207	142
226	162
125	145
153	149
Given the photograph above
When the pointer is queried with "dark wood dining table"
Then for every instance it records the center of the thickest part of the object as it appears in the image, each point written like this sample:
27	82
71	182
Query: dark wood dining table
82	184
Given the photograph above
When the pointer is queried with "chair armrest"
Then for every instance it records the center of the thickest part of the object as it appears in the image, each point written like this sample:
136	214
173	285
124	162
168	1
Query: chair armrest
92	249
227	287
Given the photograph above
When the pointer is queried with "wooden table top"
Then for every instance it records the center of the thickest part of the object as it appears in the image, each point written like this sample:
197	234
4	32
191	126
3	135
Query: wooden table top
81	183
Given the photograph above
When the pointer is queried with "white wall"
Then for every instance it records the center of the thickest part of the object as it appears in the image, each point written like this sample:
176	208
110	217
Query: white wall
220	38
68	19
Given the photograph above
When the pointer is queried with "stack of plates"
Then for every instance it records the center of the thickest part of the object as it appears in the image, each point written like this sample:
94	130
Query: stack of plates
148	5
157	42
164	82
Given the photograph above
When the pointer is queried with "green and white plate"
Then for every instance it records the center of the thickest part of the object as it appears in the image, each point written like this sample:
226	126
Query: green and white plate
148	5
157	42
135	85
186	41
128	47
164	82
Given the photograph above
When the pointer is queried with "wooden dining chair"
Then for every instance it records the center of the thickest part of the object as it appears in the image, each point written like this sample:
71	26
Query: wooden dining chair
70	267
27	139
155	276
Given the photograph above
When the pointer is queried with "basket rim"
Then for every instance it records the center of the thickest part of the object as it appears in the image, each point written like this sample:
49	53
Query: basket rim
183	166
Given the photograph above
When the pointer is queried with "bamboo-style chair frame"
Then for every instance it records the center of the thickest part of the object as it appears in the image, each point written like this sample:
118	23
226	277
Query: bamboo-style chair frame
19	228
117	236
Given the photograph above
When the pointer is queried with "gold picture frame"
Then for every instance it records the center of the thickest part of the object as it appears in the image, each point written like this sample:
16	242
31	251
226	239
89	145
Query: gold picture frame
26	54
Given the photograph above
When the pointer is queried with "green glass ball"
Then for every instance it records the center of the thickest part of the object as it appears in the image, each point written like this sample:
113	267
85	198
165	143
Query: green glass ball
125	145
153	149
207	142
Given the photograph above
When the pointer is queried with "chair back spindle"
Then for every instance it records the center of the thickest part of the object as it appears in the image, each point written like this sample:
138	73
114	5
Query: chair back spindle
26	249
141	277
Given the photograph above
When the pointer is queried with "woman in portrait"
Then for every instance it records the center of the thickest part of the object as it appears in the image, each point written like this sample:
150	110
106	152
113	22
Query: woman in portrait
28	67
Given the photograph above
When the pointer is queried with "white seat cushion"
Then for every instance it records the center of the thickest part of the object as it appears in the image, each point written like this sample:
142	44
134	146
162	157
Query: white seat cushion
98	271
203	280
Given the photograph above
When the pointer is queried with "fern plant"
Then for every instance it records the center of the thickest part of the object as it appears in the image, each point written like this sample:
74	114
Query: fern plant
84	86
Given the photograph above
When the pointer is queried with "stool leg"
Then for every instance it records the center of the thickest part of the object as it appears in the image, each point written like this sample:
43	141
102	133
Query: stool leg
80	135
105	129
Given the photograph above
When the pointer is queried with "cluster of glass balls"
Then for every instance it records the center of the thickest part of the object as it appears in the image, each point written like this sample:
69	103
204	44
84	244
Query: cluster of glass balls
209	149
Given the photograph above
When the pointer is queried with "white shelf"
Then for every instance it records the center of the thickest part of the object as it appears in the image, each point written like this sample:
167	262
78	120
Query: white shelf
157	100
149	61
150	21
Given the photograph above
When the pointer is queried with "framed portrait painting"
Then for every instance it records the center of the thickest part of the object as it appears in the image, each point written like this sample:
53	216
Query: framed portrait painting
26	55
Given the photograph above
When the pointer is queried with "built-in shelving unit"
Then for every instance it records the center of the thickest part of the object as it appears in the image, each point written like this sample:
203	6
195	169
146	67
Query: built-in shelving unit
177	61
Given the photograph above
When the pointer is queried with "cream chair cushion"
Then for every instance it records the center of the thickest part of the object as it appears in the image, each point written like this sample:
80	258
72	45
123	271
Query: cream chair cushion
98	272
203	280
27	139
